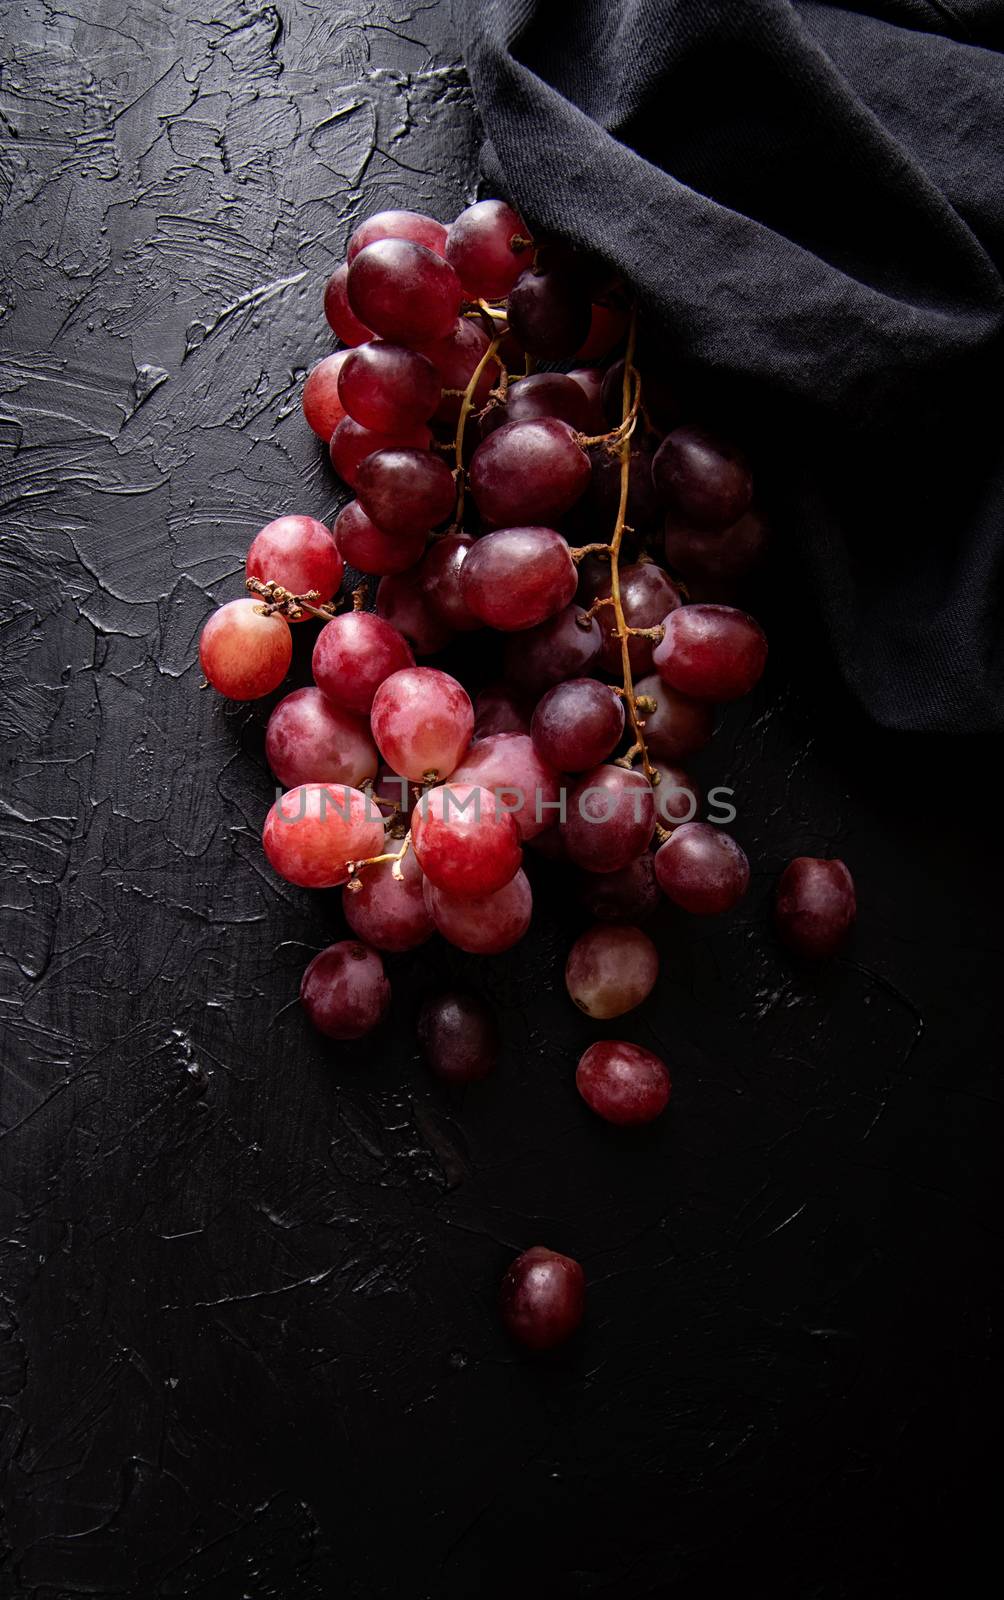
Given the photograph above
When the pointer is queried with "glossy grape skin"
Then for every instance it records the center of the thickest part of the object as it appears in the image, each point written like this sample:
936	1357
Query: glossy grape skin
439	581
711	652
679	726
484	924
388	912
624	896
647	596
458	1037
499	709
310	740
611	969
342	320
243	653
702	869
401	602
578	724
488	247
549	314
315	831
815	907
509	761
352	444
542	1298
721	559
702	478
388	388
353	655
321	403
623	1083
455	358
467	844
369	549
565	646
345	991
299	553
413	225
422	721
603	843
406	491
404	292
542	394
528	473
677	797
518	577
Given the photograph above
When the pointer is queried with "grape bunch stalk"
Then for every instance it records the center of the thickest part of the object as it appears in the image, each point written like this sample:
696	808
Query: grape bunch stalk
517	472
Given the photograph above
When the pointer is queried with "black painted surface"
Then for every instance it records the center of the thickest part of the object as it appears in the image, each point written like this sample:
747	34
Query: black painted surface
247	1333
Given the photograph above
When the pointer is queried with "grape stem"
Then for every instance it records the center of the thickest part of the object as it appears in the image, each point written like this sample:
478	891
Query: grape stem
396	871
466	405
291	606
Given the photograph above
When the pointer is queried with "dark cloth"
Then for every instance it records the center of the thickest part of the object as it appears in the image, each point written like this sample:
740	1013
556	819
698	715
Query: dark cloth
809	198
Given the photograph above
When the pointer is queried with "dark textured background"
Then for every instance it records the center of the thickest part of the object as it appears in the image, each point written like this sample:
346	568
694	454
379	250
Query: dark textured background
248	1345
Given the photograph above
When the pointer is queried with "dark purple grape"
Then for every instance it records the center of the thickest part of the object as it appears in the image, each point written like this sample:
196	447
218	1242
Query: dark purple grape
567	645
608	325
590	381
369	549
488	248
439	581
711	652
578	724
647	596
659	397
601	501
401	602
815	906
702	869
624	896
388	388
716	558
352	444
702	478
458	1037
543	1298
678	727
500	709
677	796
518	577
542	394
406	491
610	819
623	1083
455	358
404	292
528	472
344	991
549	313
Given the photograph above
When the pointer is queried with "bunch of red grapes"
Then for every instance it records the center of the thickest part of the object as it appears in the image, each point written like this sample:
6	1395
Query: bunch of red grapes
489	495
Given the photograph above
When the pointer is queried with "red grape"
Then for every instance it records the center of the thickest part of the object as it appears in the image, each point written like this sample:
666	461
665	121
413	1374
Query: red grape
662	403
702	869
484	924
543	1298
488	247
341	318
316	831
542	394
565	646
422	720
309	740
611	969
369	549
439	581
610	820
677	796
353	654
590	381
299	553
413	225
387	911
406	491
321	404
622	896
815	906
678	727
601	500
702	477
518	577
404	292
458	1037
549	314
711	652
344	991
352	444
528	471
466	842
607	327
388	388
243	653
400	601
508	764
647	595
578	724
622	1082
455	359
719	558
499	709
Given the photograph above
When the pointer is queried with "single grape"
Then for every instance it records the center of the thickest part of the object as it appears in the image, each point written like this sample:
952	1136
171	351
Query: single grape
528	472
413	225
458	1037
243	653
367	548
484	924
702	869
422	721
406	491
622	1082
321	404
678	727
344	991
543	1298
400	601
309	740
815	906
352	444
610	819
702	478
299	553
509	765
711	652
404	292
316	831
389	388
623	896
716	558
466	842
578	724
647	596
499	709
550	314
439	581
388	911
590	381
518	577
353	655
608	325
677	796
611	969
342	320
488	247
542	394
600	502
567	645
455	358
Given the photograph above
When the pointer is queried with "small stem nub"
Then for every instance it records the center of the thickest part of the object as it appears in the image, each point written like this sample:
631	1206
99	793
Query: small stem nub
281	602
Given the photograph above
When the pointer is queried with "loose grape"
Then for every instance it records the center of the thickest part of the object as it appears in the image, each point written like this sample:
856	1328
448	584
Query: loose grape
703	478
578	724
353	655
622	1082
243	653
352	444
400	601
484	924
528	786
322	406
404	292
678	727
488	247
567	645
341	318
611	969
528	471
466	842
518	577
623	896
413	225
315	831
299	553
458	1037
344	991
499	709
406	491
456	358
439	581
610	819
549	314
542	394
422	720
369	549
388	911
647	595
543	1298
702	869
718	558
388	388
309	740
711	652
677	796
815	906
